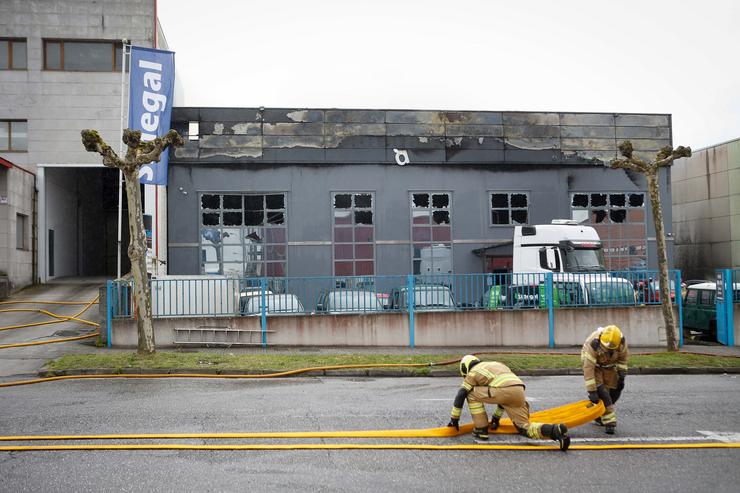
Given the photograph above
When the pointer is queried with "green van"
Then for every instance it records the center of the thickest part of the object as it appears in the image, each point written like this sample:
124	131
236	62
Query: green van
699	312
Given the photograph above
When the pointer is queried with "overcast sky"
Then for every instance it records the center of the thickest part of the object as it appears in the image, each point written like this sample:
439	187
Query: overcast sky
644	56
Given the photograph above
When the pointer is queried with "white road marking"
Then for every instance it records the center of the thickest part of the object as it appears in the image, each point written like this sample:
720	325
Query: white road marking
727	438
721	436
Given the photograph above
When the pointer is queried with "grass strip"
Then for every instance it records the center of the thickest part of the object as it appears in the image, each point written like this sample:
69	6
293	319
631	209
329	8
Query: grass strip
291	361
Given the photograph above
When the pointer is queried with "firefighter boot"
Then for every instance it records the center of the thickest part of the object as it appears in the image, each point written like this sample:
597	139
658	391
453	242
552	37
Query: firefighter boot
480	433
609	420
559	433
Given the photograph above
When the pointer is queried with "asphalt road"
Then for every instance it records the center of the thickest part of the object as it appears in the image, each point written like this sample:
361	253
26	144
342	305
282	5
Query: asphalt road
653	409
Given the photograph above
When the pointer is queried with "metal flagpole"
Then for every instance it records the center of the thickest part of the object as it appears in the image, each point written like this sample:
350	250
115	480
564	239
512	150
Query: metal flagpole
120	154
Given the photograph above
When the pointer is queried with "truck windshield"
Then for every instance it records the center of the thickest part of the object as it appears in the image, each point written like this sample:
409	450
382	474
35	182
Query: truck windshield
583	260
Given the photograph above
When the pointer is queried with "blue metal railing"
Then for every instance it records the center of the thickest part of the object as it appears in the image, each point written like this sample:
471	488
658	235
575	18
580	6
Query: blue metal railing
214	296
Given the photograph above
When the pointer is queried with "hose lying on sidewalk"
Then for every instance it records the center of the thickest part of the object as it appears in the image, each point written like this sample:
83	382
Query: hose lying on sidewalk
59	319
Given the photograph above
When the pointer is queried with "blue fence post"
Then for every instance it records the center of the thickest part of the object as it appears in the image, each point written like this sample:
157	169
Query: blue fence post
550	310
679	302
263	288
410	304
729	303
108	310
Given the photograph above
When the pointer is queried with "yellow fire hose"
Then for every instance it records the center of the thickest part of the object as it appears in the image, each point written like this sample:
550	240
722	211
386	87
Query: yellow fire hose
59	319
363	446
573	415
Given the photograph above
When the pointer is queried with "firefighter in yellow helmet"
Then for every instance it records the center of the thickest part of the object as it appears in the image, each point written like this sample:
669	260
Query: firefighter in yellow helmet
604	359
494	383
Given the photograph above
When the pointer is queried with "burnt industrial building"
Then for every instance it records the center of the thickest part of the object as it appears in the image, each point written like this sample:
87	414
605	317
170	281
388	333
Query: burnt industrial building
304	192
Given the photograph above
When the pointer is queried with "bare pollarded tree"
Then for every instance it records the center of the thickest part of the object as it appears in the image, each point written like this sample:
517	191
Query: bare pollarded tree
138	154
650	169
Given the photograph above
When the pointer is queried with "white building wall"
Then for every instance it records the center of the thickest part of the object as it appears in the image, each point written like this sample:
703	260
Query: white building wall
59	104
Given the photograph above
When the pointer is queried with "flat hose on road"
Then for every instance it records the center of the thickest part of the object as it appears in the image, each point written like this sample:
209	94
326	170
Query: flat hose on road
573	415
365	446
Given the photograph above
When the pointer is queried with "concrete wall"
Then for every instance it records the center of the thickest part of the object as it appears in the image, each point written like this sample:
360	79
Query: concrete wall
58	104
706	210
17	189
642	326
62	217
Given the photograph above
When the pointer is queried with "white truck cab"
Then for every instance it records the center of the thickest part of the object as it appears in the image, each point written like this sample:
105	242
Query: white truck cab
573	253
563	246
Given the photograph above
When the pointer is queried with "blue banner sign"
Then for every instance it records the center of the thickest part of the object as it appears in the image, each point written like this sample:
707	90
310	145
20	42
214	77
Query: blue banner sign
151	90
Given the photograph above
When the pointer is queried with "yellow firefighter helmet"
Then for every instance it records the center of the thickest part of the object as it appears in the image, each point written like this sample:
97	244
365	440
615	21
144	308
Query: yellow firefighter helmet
466	363
611	337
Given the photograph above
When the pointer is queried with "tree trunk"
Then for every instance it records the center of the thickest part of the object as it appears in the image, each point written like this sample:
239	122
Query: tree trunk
137	254
665	290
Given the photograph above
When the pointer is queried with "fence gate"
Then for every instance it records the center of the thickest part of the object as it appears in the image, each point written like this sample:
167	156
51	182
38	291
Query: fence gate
723	300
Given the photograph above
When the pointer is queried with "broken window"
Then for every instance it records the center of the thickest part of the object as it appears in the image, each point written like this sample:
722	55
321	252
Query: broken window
211	219
637	199
499	200
210	202
500	216
620	223
440	200
354	245
579	200
431	221
255	225
617	199
342	201
420	200
233	218
363	200
617	215
363	217
598	199
509	208
232	202
441	217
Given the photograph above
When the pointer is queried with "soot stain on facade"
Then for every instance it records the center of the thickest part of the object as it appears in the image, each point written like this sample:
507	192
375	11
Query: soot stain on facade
472	158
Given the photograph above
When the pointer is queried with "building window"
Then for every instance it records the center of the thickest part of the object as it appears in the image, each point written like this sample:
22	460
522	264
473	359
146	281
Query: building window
619	219
431	233
13	135
354	234
243	235
509	208
13	54
21	231
87	56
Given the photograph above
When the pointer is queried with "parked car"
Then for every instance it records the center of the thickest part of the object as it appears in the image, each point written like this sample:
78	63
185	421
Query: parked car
648	291
348	301
699	310
426	297
274	304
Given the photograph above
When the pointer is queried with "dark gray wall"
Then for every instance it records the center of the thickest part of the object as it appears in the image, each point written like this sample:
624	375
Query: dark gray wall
310	153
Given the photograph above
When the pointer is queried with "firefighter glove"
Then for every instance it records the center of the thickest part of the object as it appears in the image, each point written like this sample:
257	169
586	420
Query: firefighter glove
620	382
454	423
593	396
495	422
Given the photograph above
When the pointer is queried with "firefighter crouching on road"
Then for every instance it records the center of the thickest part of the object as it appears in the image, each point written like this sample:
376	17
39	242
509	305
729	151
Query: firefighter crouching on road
604	359
494	383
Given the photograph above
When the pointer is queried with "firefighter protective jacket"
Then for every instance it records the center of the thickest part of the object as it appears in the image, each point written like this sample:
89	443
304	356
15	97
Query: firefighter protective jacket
595	356
486	374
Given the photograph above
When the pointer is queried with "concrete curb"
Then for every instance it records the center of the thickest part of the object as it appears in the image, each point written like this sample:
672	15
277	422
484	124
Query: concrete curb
379	373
